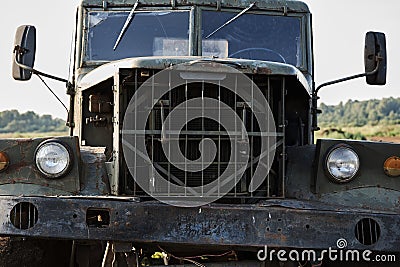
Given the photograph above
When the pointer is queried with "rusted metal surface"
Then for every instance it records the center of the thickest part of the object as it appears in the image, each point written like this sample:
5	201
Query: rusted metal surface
300	166
222	226
94	177
384	200
224	264
22	169
303	161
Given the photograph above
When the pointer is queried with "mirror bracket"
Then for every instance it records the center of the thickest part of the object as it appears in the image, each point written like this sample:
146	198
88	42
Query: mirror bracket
20	50
375	70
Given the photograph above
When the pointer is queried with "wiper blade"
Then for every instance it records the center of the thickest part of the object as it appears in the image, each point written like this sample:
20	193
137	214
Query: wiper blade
126	25
231	20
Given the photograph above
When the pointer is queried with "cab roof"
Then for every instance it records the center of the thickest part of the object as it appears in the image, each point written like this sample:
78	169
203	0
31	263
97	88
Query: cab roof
276	5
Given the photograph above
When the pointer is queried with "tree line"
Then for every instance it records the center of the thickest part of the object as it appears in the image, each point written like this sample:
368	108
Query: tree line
361	113
352	113
11	121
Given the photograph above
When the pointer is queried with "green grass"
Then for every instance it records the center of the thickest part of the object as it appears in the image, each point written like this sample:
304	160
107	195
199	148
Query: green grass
369	132
32	135
365	132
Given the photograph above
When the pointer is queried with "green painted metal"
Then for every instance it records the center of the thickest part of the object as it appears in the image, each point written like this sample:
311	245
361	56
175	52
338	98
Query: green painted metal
372	156
106	71
23	171
371	189
87	175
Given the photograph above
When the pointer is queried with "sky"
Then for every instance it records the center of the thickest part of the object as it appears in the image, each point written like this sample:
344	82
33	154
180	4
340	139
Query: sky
339	28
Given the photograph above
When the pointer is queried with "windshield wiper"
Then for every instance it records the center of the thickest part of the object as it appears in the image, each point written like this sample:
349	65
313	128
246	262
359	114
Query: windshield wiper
231	20
126	25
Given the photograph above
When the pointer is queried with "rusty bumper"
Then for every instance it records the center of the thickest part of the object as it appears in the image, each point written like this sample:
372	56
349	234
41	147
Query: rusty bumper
276	223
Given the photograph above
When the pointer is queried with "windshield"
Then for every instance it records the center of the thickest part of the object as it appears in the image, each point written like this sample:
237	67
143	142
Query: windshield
254	36
150	34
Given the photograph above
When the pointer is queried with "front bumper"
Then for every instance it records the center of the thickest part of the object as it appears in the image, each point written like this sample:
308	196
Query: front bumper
275	223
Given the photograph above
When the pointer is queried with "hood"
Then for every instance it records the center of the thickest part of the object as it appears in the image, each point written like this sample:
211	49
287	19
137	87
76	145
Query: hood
108	70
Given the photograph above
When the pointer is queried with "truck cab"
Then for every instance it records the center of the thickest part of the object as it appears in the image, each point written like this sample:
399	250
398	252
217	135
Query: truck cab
192	137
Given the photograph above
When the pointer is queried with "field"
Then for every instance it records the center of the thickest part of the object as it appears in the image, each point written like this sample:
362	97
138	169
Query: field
381	132
31	135
385	133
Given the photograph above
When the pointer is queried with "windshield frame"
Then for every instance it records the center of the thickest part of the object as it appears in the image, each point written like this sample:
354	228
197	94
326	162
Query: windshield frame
195	28
301	16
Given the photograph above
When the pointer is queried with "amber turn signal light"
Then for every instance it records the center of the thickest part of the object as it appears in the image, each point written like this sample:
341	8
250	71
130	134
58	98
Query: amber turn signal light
392	166
4	161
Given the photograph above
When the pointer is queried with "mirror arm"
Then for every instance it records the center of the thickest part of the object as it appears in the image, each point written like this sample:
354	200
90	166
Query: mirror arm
39	72
350	77
70	88
314	108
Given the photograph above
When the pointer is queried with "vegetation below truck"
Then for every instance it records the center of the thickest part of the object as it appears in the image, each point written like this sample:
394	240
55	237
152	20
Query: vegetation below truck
192	137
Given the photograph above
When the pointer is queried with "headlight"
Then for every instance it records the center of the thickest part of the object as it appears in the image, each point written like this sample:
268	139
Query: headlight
53	159
342	164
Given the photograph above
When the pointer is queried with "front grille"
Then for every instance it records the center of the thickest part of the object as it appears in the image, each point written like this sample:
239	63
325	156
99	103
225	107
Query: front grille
191	135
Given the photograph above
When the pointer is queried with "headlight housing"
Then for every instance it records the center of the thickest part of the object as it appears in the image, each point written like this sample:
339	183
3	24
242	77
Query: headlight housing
342	164
53	159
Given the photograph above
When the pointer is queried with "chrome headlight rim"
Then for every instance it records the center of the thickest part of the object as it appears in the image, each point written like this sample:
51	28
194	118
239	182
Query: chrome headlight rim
62	145
332	177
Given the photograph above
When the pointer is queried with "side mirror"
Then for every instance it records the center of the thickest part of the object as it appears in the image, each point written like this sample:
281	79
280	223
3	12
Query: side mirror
375	58
24	52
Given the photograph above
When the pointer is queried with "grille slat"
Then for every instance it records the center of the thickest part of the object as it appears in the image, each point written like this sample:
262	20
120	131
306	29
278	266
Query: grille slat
367	231
24	215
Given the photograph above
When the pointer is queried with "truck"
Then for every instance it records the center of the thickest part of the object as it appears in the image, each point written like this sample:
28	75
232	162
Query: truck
191	143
